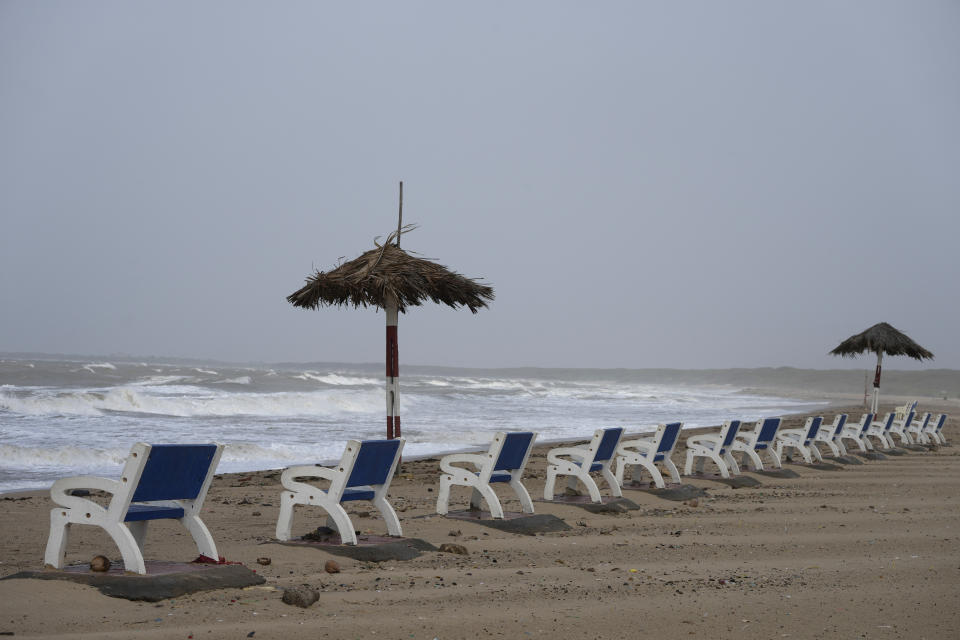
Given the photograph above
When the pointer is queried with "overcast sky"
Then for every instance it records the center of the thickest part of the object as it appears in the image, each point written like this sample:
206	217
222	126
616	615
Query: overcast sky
644	184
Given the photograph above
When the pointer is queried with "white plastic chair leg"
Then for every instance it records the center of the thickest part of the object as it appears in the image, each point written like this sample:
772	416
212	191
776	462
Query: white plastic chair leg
285	519
591	487
389	516
551	481
443	495
57	540
672	469
731	463
526	504
129	551
751	460
721	465
338	516
493	503
476	498
611	482
201	536
774	458
139	530
688	465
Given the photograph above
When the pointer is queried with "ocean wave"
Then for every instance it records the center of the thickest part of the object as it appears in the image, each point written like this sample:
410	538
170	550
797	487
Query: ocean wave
338	380
64	457
237	380
102	365
134	400
154	381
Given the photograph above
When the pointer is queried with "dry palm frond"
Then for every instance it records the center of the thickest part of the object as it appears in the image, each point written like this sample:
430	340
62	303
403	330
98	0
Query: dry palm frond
882	338
389	271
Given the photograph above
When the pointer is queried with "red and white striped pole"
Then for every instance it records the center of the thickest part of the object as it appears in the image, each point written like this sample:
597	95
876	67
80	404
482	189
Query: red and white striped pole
393	373
393	355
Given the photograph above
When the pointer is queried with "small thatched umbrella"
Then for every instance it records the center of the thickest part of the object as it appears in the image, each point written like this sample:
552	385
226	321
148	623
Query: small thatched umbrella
881	339
390	278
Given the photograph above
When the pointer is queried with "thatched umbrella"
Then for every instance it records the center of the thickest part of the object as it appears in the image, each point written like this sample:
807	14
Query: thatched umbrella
390	278
881	339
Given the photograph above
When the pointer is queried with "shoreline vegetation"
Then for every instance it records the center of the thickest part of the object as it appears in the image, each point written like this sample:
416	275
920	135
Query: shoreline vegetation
865	550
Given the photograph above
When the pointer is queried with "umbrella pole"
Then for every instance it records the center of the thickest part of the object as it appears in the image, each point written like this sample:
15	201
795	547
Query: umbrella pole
393	373
876	384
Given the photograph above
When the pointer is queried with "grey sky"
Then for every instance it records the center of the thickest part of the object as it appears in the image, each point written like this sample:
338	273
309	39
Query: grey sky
645	184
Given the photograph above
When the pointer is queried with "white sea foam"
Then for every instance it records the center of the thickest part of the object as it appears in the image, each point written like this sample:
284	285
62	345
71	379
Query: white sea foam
135	400
102	365
50	429
337	379
76	458
153	381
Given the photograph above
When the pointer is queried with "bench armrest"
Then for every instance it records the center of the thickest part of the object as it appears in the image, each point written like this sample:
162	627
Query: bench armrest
59	495
703	440
290	474
553	456
447	463
644	445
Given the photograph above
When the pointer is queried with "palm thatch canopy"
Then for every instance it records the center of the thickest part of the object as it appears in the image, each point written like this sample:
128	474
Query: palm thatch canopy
388	270
881	338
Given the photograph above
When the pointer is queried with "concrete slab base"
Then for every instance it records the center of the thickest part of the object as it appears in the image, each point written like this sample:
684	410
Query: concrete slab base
163	580
528	524
367	549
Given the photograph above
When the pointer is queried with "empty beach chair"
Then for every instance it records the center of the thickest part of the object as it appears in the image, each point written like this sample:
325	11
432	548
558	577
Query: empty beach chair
579	462
645	453
899	428
902	411
829	434
801	440
503	462
933	433
880	430
716	447
364	473
856	432
751	443
915	428
158	482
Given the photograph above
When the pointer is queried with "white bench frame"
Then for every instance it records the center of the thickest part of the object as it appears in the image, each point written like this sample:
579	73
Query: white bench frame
128	536
710	447
302	493
575	462
642	452
479	480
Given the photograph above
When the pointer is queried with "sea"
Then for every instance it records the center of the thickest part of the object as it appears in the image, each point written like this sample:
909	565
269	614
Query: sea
67	416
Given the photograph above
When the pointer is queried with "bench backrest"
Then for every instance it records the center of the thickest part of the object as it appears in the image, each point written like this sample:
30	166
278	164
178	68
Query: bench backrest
373	463
729	432
909	419
514	451
941	422
891	418
669	434
608	444
768	431
174	472
865	422
813	426
841	420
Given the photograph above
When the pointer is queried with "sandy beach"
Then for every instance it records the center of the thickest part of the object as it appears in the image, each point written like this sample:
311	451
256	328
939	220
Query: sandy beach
865	551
